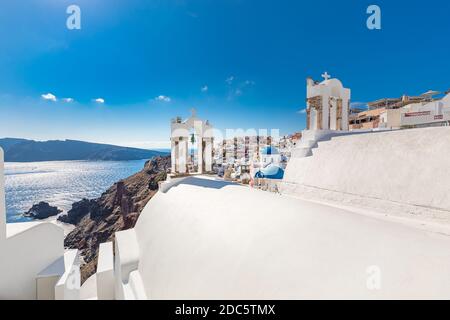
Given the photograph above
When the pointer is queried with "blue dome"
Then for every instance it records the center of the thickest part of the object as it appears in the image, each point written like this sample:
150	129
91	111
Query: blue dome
269	150
270	172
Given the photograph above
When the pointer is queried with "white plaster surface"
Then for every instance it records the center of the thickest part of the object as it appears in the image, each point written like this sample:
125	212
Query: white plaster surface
207	239
68	286
127	256
25	250
24	255
88	290
105	272
406	166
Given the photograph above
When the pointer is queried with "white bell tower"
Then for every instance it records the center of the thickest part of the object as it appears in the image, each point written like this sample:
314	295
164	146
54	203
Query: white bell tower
328	104
180	144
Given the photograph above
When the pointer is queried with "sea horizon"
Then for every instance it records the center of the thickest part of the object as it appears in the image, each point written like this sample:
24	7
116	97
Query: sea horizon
60	183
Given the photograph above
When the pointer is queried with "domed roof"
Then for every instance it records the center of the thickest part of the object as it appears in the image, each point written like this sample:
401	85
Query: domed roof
333	82
269	150
270	172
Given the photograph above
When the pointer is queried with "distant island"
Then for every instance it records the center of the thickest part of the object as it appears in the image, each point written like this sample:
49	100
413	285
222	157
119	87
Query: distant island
23	150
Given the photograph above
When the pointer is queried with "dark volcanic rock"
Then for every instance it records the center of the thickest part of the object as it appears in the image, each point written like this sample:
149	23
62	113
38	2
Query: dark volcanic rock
154	184
116	209
42	210
78	211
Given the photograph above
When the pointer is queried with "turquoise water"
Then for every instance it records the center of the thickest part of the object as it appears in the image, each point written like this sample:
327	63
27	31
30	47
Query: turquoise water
60	183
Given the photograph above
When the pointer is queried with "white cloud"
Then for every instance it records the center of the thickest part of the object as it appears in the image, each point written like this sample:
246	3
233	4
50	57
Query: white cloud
163	98
99	100
229	80
204	89
49	96
240	88
302	111
68	100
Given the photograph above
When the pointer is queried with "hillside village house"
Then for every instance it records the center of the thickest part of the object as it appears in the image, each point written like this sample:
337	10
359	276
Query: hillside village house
367	119
419	114
404	112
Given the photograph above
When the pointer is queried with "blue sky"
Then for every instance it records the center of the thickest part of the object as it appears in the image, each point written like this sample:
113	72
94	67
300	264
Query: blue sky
250	58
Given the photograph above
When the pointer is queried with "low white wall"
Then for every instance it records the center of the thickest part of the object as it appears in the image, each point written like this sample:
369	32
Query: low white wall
406	166
126	261
68	285
28	250
26	254
105	272
165	186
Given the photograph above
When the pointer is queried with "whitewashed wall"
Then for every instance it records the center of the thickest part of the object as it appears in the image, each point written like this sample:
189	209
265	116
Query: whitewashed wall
406	166
25	250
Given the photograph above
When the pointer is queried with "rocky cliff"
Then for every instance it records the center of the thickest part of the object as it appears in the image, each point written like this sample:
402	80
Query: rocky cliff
42	210
117	209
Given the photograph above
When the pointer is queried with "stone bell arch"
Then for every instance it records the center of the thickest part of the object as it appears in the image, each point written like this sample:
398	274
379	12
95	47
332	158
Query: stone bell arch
180	136
328	104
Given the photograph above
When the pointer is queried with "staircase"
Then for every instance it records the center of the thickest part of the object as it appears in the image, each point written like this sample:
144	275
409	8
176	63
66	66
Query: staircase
310	140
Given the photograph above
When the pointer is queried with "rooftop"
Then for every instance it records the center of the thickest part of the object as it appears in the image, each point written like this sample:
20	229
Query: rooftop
227	239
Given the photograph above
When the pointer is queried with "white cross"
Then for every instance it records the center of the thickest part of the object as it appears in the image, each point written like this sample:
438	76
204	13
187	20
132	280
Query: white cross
326	76
193	112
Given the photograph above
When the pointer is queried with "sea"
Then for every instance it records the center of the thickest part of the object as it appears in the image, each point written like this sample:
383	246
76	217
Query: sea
60	183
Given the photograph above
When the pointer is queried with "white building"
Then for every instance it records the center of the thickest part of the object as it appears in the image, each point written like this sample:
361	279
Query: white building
327	113
182	133
420	114
270	155
327	104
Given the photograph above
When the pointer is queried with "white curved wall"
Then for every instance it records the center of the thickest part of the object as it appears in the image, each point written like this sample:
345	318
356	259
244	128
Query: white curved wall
215	240
25	250
26	254
407	166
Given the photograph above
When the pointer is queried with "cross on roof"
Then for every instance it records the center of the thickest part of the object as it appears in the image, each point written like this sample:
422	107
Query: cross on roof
326	76
193	112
